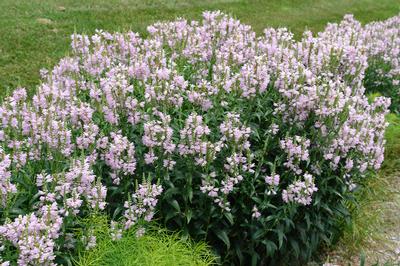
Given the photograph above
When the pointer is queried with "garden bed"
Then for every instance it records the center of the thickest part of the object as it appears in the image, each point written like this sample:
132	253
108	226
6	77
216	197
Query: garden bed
255	144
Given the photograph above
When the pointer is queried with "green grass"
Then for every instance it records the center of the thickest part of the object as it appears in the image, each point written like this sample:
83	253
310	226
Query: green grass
35	34
156	247
392	136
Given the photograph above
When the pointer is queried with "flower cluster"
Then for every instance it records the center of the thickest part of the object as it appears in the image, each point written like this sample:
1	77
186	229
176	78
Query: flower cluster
158	135
6	187
300	191
142	204
273	182
235	137
72	188
194	141
119	154
34	236
297	150
80	182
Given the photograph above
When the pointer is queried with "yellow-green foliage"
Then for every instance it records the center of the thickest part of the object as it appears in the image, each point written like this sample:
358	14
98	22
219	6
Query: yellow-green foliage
157	247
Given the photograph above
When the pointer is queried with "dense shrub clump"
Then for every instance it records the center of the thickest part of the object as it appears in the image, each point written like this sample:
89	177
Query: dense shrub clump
383	73
379	43
252	143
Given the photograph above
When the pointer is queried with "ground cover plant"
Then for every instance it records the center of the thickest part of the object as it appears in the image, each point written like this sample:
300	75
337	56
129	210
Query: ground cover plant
254	144
156	247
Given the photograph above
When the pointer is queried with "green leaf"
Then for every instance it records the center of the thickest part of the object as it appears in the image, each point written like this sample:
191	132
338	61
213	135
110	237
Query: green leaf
258	234
221	234
295	247
190	194
171	191
239	253
308	222
17	211
270	247
254	259
188	215
175	205
229	217
169	216
281	235
362	259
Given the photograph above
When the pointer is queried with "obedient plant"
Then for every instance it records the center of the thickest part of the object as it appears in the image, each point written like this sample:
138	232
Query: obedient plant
379	44
251	143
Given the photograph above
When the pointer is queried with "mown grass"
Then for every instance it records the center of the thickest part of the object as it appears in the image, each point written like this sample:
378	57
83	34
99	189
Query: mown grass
35	34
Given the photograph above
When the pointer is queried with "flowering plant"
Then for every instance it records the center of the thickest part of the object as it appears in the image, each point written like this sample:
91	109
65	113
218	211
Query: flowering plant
379	44
252	143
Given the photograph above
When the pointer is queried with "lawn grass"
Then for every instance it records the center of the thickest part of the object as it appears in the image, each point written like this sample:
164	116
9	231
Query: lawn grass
35	34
